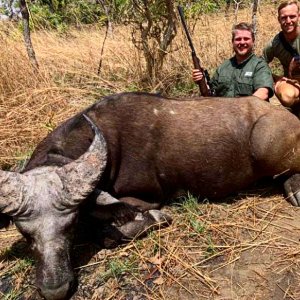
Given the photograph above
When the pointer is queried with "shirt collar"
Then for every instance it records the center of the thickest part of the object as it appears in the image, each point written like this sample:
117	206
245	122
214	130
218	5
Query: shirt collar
243	62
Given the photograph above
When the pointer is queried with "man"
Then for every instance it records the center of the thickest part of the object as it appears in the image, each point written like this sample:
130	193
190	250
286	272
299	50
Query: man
244	74
286	47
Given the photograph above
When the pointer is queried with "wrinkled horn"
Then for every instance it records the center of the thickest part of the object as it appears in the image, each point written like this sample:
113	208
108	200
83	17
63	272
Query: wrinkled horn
11	196
81	176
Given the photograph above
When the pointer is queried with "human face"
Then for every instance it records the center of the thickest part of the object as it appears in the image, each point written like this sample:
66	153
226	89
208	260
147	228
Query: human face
242	44
288	18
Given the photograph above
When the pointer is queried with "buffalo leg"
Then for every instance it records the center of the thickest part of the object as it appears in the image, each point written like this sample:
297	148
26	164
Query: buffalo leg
140	204
107	208
124	219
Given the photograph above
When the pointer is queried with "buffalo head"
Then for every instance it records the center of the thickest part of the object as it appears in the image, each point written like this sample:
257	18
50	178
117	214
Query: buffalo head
44	204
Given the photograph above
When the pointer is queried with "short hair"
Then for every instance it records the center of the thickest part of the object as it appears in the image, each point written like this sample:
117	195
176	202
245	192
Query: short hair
243	26
286	3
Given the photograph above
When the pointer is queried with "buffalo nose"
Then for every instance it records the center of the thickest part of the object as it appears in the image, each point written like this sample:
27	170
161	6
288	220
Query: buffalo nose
64	292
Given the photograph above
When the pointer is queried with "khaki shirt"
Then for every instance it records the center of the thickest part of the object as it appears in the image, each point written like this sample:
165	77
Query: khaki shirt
276	49
237	80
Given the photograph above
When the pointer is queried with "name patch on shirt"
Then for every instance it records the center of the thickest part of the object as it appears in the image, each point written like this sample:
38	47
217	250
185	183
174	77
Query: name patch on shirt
248	74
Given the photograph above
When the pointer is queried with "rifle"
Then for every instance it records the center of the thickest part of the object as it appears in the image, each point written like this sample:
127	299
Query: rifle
204	82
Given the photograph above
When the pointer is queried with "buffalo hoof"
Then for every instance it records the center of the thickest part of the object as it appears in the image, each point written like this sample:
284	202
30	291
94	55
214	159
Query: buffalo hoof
160	217
292	189
151	219
112	235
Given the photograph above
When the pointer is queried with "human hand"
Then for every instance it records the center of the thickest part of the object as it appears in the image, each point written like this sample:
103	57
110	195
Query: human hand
197	75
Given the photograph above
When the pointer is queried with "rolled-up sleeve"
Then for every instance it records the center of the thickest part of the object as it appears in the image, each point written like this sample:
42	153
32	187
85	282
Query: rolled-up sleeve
263	77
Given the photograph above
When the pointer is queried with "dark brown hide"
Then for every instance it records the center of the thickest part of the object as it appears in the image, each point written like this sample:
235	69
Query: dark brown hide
158	147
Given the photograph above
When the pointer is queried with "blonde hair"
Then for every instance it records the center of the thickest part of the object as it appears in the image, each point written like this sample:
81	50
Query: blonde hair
286	3
243	26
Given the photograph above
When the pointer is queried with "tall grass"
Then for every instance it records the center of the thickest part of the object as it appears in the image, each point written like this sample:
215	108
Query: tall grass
33	104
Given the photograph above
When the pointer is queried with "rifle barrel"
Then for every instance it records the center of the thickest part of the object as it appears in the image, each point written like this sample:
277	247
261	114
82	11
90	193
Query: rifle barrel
204	90
181	14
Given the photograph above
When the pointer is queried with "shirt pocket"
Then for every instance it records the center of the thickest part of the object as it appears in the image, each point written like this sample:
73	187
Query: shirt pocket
244	86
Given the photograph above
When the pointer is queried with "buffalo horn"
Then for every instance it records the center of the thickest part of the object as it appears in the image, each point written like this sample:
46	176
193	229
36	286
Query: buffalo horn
81	175
10	192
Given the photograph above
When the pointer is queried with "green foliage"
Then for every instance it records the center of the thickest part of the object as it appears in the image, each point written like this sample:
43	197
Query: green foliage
189	204
154	237
60	14
211	249
82	12
117	268
194	9
22	265
190	208
121	9
2	11
197	226
197	8
22	159
53	13
41	17
12	295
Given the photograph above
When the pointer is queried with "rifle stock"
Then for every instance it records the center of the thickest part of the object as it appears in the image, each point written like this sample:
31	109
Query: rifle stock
203	83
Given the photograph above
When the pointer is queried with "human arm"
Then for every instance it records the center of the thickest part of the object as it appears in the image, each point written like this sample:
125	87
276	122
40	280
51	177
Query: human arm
272	50
262	93
263	83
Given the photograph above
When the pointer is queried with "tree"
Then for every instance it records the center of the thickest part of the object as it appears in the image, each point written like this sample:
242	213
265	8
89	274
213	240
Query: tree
154	28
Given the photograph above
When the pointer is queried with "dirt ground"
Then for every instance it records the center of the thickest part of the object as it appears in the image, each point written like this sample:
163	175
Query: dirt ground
245	248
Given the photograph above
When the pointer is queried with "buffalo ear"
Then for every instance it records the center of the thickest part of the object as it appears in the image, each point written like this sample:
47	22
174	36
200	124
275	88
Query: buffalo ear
5	220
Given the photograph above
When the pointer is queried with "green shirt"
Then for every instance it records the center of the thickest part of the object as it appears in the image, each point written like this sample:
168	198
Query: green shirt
276	49
235	80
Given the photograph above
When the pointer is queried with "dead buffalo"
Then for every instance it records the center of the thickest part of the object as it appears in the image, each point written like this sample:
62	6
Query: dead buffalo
148	149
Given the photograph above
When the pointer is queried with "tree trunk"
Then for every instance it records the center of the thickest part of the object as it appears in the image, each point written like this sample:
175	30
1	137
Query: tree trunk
254	17
107	10
26	33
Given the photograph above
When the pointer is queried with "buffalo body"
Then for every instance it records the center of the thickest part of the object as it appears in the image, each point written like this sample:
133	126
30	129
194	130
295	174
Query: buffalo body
150	149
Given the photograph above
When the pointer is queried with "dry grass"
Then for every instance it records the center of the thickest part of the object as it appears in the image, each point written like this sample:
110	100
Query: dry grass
245	250
212	252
